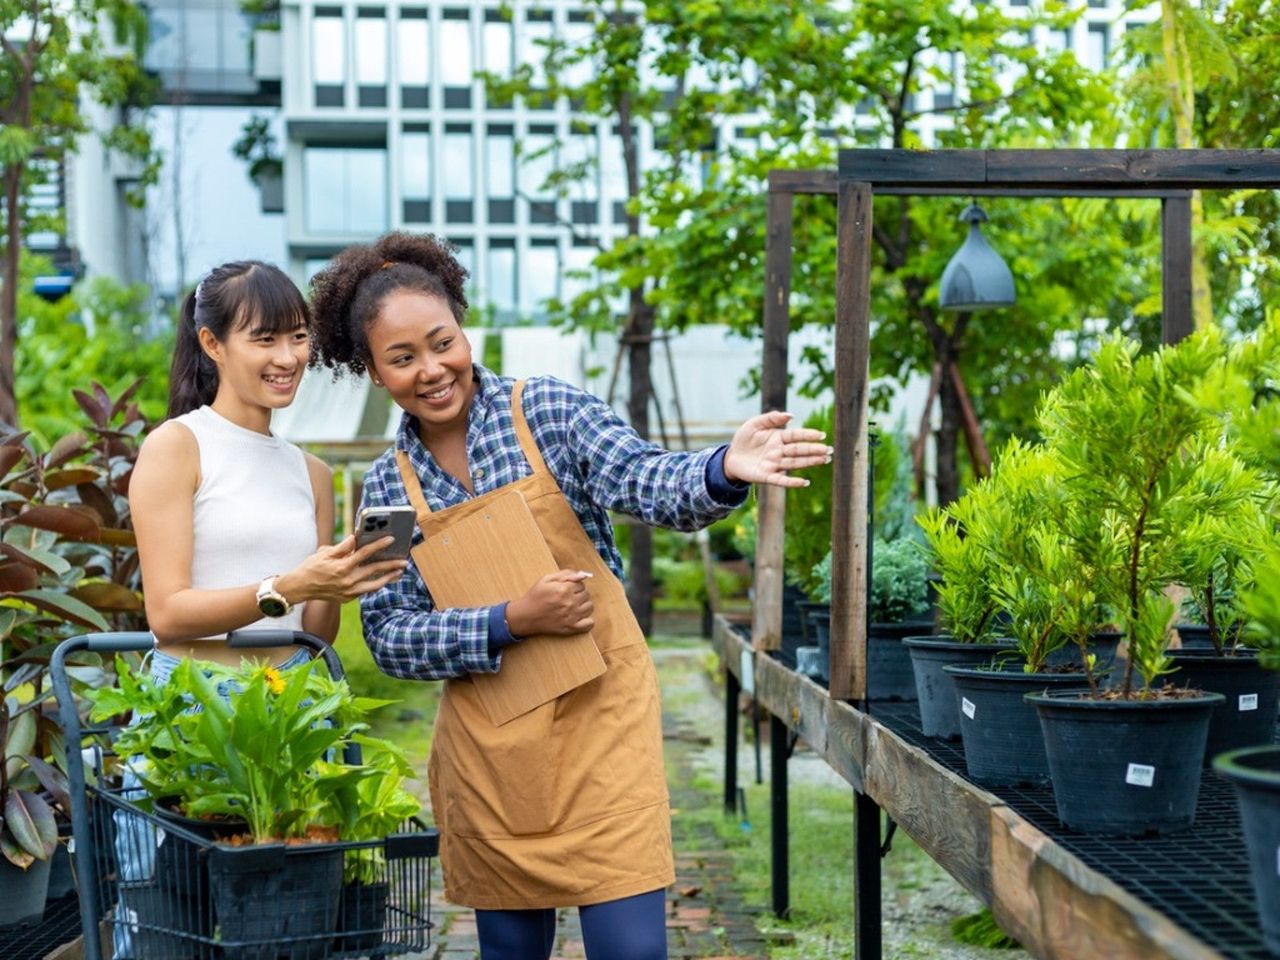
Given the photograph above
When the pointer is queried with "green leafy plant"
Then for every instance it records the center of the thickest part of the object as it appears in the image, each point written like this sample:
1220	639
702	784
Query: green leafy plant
1142	463
257	147
259	754
965	601
808	518
372	808
899	581
28	831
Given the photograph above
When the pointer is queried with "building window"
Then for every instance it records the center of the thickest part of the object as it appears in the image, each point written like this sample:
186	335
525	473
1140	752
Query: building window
500	172
371	57
497	50
345	189
466	255
412	64
456	165
537	159
613	175
577	37
415	172
1057	41
456	66
538	32
541	276
328	56
579	275
500	277
1097	49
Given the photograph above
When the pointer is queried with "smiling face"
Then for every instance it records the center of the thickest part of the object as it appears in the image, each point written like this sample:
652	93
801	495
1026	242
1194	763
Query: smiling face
421	356
258	370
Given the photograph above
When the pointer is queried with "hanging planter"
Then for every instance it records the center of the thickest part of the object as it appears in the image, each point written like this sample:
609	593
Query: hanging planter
1255	771
1124	767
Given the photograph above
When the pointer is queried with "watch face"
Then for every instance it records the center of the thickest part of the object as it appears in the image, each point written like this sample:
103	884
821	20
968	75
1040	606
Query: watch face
272	606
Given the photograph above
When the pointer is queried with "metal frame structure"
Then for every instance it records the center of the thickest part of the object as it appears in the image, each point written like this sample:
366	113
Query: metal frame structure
1166	175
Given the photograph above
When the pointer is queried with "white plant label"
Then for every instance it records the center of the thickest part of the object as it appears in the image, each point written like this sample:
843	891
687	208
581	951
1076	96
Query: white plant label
1278	861
1248	701
747	669
1140	775
969	707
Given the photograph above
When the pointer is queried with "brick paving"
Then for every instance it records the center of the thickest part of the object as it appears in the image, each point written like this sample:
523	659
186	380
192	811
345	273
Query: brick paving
706	918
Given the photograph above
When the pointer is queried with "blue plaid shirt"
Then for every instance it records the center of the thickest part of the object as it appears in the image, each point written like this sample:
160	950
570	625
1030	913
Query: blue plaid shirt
601	465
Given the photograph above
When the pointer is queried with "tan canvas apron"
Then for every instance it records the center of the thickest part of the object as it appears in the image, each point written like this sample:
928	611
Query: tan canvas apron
566	805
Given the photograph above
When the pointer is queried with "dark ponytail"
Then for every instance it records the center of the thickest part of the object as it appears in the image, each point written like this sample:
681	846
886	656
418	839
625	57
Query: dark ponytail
237	294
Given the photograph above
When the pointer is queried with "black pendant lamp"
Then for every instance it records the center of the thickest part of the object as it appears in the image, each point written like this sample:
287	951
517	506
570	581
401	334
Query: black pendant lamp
977	278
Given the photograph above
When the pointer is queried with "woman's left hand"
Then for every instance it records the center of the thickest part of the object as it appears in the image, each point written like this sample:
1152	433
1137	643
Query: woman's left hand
764	449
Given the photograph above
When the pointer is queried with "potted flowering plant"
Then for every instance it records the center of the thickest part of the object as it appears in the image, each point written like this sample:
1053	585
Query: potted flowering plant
257	752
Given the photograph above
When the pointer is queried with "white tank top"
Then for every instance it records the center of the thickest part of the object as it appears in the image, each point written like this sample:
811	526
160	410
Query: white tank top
254	512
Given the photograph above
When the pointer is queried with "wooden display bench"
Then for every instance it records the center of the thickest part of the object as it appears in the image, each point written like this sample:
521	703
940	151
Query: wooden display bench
1055	905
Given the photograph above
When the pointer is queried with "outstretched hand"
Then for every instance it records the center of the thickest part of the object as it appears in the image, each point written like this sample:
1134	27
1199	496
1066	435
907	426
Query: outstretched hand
764	449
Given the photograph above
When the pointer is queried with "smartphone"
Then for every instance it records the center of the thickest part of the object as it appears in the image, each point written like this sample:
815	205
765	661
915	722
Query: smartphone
374	523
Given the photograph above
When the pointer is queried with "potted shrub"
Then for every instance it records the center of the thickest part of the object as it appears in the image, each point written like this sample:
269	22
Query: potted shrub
253	763
966	607
257	147
1142	462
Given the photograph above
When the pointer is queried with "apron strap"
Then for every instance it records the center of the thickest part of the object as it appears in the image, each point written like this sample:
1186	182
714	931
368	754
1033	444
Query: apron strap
412	486
523	433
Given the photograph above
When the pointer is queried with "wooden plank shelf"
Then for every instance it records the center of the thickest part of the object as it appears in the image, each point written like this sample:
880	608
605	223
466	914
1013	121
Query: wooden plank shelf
1049	899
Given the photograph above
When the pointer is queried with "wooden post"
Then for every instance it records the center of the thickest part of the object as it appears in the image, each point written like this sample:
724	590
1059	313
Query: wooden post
1175	254
766	623
848	666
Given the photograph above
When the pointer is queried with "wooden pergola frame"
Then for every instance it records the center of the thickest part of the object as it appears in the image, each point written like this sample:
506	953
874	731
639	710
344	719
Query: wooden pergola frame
979	840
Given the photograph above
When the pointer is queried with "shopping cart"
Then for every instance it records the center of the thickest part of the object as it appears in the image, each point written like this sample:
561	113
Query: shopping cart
167	889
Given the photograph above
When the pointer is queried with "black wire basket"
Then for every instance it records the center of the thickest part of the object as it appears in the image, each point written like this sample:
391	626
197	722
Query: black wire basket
167	887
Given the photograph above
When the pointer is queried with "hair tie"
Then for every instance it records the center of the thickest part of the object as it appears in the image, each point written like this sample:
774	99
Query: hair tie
387	264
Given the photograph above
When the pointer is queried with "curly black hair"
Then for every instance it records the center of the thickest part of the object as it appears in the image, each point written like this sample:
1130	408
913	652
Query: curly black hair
347	294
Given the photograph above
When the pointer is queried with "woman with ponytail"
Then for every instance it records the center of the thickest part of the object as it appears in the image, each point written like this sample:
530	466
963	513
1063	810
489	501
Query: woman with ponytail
565	804
234	524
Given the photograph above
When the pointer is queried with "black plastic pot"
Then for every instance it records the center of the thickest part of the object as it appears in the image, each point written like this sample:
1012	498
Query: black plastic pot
819	616
267	894
62	880
179	864
1248	717
162	924
1003	745
1124	767
889	672
1194	636
1102	645
25	893
362	914
792	628
1255	771
804	608
939	708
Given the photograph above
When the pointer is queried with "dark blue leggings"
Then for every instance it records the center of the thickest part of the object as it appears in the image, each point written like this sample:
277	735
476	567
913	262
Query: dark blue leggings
634	928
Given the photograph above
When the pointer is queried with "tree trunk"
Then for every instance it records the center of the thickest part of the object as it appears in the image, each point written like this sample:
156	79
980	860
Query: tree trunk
9	294
640	580
948	476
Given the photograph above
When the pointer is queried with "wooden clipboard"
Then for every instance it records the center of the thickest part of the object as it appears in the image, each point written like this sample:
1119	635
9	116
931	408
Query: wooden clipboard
493	555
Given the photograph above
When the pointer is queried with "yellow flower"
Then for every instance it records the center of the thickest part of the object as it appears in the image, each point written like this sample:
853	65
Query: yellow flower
275	682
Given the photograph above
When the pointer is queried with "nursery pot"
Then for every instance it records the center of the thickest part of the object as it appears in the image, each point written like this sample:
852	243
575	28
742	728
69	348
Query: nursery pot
179	865
939	709
819	618
792	629
270	900
804	608
1124	767
1255	771
362	914
1003	745
1248	717
62	880
25	892
162	924
1102	645
1194	636
889	673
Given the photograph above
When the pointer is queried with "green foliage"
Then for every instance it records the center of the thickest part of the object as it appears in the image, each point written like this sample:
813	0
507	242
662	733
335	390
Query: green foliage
981	930
100	332
964	596
259	754
684	583
257	148
1145	464
808	519
899	581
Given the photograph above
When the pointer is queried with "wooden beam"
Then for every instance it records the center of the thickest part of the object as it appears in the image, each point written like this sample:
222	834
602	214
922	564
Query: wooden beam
848	666
1177	319
802	181
1108	171
823	183
766	629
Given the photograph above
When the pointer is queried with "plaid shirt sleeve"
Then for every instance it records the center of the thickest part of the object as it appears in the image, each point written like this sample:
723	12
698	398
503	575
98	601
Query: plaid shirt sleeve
625	473
406	635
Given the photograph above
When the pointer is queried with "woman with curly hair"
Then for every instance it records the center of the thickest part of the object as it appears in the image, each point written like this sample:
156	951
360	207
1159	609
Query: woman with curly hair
565	805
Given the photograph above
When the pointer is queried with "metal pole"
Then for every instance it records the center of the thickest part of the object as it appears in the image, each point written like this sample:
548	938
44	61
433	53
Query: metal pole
731	690
779	831
868	944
